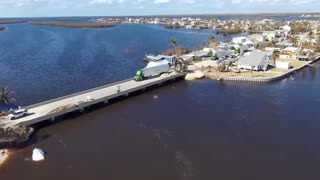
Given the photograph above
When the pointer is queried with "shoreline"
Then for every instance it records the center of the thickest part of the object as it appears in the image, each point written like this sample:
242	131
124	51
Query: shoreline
202	70
267	79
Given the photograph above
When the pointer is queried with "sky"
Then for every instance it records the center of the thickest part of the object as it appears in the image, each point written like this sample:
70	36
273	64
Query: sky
56	8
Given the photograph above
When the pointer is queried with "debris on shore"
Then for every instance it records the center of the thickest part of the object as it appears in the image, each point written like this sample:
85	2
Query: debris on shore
38	155
195	75
14	136
4	154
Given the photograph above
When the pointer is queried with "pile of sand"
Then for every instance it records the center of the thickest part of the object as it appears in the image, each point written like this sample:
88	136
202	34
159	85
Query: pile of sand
195	75
205	64
169	74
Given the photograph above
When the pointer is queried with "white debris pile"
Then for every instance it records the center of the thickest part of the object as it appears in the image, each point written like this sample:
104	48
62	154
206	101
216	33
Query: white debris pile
195	75
38	155
205	64
169	74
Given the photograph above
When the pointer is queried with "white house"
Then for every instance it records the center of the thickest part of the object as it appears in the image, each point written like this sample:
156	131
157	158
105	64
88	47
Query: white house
286	28
283	65
289	52
239	40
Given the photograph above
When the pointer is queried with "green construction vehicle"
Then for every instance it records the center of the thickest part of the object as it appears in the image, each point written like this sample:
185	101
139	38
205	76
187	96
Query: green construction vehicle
214	56
138	76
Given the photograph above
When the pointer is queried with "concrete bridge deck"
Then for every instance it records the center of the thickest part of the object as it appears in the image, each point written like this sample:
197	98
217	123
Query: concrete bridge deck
48	110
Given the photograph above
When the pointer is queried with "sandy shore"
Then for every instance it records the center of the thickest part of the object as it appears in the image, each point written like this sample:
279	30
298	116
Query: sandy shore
4	155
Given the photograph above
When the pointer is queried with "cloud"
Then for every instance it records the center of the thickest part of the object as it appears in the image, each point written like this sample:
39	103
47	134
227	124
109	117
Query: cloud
95	2
161	1
134	7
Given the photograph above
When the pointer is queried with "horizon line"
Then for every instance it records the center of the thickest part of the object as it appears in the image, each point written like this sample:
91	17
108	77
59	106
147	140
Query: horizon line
187	14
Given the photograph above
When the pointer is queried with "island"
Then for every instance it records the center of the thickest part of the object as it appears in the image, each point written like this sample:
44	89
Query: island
12	21
75	25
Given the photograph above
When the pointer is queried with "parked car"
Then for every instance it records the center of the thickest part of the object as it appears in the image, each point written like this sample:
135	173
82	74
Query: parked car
17	113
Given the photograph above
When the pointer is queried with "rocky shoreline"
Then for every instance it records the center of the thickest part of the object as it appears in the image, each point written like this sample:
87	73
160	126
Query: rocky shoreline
14	136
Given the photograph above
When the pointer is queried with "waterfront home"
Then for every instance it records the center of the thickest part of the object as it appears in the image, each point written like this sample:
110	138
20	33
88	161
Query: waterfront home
289	53
254	60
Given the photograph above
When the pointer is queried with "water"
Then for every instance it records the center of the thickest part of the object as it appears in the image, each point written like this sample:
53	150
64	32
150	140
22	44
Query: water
41	62
194	130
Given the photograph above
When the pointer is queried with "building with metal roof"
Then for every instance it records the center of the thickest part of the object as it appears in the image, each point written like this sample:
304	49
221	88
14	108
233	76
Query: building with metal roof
255	60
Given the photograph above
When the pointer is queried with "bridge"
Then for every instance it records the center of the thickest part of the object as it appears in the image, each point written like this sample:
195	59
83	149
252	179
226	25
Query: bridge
50	110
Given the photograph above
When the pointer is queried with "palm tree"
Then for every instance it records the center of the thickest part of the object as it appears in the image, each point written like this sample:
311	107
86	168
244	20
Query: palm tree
310	35
294	40
212	39
173	43
5	95
275	55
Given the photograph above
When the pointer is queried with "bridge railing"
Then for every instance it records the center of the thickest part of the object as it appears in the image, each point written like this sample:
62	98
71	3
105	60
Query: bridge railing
76	94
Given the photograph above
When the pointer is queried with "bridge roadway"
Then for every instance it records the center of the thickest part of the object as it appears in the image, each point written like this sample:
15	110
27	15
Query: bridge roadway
43	111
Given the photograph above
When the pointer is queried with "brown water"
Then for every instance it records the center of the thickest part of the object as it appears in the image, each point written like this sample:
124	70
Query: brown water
194	130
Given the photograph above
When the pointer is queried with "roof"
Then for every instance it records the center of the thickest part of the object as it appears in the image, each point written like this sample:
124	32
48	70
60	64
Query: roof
158	57
158	63
200	53
242	37
292	49
254	58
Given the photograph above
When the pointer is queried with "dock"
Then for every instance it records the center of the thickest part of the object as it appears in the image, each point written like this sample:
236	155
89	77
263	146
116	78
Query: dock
50	110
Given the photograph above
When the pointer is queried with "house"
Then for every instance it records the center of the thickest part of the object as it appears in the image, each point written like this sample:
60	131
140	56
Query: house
271	49
286	28
151	58
197	55
283	65
289	53
254	60
239	40
284	43
256	38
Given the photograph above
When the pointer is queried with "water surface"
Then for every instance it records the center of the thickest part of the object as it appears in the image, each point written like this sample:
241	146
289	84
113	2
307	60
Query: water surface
199	130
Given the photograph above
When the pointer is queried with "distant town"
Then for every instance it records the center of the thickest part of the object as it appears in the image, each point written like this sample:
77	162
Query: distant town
266	49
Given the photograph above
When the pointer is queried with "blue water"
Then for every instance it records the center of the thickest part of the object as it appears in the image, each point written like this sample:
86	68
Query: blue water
199	130
42	62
